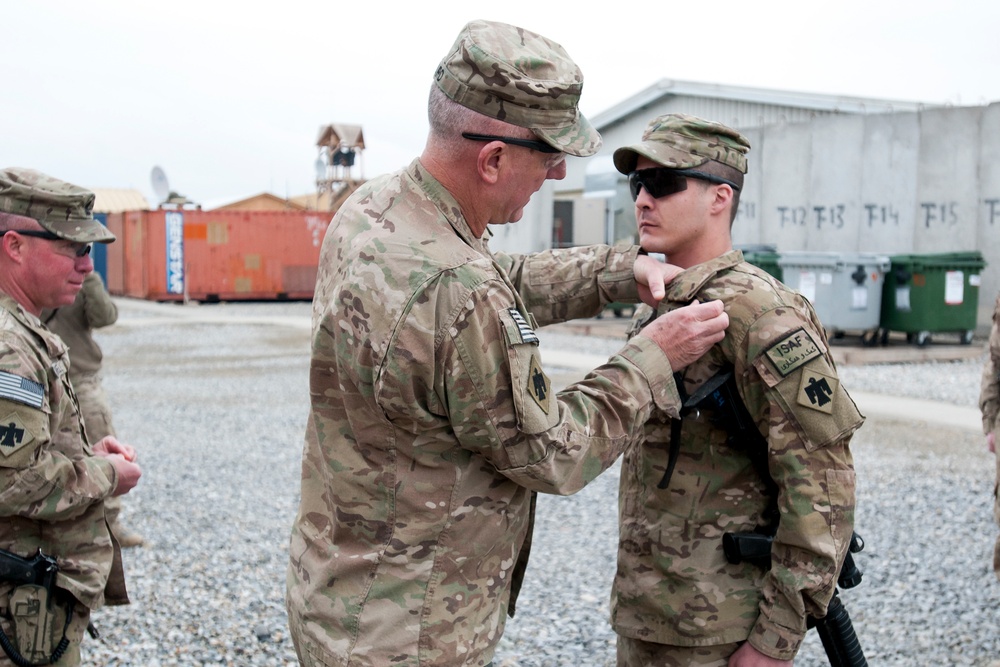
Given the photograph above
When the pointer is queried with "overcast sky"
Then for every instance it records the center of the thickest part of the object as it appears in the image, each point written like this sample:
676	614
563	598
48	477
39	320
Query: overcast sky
228	97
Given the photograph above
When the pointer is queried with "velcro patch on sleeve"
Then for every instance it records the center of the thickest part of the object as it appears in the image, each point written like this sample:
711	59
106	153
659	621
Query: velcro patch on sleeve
21	390
14	434
792	352
523	328
818	391
539	387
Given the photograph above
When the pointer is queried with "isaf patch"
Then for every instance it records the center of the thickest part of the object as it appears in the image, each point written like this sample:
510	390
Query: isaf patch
539	386
817	390
14	435
792	351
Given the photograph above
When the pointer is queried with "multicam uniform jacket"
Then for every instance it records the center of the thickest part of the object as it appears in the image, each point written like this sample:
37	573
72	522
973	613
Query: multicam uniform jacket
674	585
989	403
432	422
52	489
74	324
92	309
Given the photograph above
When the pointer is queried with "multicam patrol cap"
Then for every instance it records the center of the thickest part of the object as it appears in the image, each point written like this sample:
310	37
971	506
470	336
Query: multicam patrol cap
680	141
521	78
64	209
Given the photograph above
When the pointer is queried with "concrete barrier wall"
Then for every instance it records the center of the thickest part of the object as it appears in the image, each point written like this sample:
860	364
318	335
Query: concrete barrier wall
925	182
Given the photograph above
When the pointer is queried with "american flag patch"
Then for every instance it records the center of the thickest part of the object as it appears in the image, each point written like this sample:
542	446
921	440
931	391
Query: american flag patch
16	388
527	335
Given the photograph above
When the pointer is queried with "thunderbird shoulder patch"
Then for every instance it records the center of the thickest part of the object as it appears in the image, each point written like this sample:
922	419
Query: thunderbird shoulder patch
539	387
13	435
792	351
817	391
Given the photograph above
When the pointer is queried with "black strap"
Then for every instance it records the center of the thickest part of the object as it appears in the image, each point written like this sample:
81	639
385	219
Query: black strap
720	397
689	403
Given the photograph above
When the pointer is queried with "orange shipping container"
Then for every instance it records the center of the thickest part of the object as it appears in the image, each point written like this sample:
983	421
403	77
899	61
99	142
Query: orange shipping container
215	255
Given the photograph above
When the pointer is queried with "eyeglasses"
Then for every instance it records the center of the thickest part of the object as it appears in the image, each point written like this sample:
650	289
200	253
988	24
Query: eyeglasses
663	181
533	144
82	250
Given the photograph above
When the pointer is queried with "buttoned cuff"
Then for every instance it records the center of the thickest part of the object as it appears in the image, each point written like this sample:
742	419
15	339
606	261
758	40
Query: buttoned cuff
618	278
775	641
108	468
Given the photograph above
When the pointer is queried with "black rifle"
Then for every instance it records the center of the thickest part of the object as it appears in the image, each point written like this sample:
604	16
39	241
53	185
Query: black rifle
720	399
40	571
835	629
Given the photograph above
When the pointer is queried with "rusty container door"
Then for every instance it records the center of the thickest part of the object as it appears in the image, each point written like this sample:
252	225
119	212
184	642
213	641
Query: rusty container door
221	255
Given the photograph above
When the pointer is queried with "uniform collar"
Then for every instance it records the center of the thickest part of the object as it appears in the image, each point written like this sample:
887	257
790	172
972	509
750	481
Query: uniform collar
447	204
53	343
685	287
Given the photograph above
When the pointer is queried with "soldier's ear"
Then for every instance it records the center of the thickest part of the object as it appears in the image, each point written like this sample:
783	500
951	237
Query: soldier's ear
12	246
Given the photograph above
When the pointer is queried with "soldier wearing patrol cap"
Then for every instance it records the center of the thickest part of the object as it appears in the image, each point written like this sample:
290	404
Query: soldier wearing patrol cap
989	404
432	420
54	481
676	599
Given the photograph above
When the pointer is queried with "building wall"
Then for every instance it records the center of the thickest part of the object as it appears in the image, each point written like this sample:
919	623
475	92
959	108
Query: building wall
592	221
918	182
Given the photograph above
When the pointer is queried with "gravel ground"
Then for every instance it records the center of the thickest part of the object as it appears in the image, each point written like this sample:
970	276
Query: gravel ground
215	398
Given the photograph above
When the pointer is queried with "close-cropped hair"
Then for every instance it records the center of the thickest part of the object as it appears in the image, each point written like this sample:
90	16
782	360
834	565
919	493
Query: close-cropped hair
730	174
448	120
9	221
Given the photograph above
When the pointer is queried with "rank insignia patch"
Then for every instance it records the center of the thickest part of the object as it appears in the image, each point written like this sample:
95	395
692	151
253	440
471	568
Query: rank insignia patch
539	387
817	390
792	351
13	435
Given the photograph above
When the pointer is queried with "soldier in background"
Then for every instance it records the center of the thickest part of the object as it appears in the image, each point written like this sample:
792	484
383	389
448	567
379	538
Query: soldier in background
54	481
989	403
432	421
676	600
92	309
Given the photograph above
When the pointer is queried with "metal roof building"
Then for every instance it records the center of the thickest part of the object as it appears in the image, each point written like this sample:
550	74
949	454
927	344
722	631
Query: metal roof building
579	219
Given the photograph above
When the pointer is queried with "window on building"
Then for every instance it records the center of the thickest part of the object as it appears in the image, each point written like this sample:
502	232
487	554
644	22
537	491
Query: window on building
562	224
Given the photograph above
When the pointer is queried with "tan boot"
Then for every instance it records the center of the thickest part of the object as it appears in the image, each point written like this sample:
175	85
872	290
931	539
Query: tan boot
128	538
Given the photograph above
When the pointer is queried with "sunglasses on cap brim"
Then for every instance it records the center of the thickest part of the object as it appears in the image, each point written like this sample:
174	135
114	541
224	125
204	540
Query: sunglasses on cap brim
663	181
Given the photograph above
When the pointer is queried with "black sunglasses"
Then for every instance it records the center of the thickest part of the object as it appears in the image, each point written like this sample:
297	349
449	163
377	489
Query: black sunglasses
539	146
82	251
663	181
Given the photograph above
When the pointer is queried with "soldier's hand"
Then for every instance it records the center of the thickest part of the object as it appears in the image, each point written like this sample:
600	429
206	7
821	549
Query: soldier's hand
687	333
652	277
122	457
747	656
128	473
110	445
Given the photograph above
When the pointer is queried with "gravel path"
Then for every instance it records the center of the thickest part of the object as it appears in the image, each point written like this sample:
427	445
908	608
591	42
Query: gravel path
215	398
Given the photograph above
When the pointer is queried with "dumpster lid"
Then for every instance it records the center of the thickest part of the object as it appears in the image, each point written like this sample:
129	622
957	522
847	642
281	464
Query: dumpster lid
834	259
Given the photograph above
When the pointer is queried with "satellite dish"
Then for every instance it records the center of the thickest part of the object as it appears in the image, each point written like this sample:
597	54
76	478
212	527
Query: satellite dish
160	185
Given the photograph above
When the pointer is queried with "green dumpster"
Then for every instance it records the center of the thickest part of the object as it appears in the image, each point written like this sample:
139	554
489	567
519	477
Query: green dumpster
763	257
932	293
